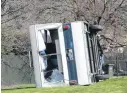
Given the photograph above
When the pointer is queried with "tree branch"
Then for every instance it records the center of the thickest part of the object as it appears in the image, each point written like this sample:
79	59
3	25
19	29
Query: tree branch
110	40
3	3
7	12
10	19
111	14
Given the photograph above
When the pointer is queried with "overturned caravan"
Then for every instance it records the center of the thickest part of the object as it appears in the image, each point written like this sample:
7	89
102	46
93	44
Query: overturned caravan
65	54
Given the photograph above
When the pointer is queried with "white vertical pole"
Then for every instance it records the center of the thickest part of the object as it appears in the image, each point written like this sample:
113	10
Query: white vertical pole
60	67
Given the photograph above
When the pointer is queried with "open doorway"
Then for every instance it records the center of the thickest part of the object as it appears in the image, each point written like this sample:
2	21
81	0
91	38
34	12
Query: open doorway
52	56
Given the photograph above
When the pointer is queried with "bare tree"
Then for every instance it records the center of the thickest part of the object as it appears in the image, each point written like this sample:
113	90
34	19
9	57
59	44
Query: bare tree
111	14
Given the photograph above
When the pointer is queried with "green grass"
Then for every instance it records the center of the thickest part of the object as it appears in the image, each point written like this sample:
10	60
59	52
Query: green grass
116	85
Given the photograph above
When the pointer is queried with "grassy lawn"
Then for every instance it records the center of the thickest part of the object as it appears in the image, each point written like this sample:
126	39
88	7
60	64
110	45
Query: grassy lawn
116	85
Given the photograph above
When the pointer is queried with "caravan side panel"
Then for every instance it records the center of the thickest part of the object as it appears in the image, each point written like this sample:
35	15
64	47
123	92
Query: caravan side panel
81	55
34	47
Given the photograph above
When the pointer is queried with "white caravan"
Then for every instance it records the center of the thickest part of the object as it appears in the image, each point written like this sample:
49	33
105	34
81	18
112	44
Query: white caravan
64	54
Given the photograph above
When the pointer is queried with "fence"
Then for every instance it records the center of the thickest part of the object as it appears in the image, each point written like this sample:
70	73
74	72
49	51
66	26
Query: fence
120	63
15	71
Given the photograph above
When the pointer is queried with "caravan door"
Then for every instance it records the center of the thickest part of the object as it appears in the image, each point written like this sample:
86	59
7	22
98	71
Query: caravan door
47	42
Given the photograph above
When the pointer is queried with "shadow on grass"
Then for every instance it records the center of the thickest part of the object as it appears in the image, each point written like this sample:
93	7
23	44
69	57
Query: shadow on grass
18	88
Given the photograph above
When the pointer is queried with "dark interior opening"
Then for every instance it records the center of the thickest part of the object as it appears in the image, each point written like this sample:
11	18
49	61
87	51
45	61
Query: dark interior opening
50	52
